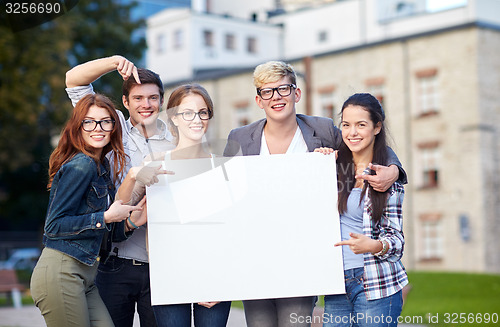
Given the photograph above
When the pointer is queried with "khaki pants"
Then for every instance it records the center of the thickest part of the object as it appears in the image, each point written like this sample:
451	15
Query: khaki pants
63	289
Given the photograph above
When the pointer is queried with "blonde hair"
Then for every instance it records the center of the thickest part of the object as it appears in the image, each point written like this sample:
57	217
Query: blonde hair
273	71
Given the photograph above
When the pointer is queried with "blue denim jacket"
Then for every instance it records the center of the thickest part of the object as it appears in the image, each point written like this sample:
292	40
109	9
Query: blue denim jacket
75	217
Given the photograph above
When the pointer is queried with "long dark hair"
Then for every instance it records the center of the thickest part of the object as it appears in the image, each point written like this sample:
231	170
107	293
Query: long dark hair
72	142
345	165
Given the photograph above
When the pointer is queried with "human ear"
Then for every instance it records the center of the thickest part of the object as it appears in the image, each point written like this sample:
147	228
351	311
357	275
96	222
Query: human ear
125	102
174	121
258	100
298	95
378	128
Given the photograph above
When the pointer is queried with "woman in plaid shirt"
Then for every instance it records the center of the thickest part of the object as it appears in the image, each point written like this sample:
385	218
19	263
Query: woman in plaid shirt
371	224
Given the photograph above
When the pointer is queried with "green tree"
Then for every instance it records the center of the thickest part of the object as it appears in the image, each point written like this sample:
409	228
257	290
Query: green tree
105	28
34	104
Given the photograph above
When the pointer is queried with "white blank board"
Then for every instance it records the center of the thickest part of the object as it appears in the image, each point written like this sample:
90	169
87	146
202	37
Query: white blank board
250	227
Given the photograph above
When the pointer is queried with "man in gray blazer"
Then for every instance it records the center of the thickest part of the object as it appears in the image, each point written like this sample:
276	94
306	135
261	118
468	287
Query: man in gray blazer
285	131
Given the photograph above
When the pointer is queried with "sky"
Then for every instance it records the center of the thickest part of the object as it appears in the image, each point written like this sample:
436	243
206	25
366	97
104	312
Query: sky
149	7
436	5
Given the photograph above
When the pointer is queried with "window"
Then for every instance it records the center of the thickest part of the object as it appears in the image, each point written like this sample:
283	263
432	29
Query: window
432	238
241	114
327	106
251	45
178	39
322	36
376	87
208	38
327	101
160	43
428	92
405	8
230	42
430	158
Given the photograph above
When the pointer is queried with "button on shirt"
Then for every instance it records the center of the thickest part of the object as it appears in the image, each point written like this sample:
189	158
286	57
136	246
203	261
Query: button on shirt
137	147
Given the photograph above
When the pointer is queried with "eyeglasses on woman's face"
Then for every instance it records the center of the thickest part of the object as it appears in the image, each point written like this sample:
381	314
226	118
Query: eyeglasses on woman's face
90	125
283	90
189	115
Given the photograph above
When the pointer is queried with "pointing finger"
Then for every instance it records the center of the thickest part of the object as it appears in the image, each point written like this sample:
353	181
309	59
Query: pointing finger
165	172
134	208
365	177
136	75
348	242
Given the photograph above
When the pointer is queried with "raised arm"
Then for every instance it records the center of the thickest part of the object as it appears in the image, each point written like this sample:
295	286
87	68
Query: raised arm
86	73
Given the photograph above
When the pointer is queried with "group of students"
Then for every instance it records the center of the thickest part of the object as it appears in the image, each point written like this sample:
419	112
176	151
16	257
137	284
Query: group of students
94	268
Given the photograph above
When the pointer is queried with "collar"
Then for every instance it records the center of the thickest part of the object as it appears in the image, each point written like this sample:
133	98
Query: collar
161	126
308	133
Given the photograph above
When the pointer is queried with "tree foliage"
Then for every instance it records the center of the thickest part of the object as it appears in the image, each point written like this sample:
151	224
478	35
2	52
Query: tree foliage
101	29
34	104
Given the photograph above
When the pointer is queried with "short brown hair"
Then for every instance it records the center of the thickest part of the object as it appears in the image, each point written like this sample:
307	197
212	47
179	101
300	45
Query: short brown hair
146	76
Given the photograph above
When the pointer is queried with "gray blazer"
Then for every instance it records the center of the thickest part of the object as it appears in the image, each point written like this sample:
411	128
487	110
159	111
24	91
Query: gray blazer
317	132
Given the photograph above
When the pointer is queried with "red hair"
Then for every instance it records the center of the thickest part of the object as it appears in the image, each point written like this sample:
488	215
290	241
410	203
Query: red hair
72	142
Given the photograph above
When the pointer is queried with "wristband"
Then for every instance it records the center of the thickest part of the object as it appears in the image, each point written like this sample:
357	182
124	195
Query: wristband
131	223
385	248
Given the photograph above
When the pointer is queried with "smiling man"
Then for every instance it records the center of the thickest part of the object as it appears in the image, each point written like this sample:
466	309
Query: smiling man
285	131
123	280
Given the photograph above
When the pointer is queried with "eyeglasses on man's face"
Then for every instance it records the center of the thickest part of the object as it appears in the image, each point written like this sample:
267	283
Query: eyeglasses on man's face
189	115
283	90
90	125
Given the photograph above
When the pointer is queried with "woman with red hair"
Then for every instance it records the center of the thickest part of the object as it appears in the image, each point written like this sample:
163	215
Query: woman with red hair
81	215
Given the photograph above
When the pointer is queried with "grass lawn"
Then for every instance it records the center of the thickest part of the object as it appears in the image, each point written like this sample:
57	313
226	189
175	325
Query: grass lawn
454	299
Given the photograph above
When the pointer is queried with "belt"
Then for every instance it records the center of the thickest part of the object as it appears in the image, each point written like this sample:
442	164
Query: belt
133	262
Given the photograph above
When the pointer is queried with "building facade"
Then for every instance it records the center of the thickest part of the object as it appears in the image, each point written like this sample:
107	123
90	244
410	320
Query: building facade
439	83
183	43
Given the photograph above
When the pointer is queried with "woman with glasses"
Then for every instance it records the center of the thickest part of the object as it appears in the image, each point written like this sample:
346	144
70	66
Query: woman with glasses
81	214
189	110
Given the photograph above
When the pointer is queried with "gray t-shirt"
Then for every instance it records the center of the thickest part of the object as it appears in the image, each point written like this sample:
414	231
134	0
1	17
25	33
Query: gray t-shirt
352	222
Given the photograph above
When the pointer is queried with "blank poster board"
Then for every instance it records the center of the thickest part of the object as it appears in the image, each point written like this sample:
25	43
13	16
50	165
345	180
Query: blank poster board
250	227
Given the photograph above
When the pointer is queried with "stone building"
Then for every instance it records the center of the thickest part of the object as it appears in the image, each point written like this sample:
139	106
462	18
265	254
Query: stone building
439	83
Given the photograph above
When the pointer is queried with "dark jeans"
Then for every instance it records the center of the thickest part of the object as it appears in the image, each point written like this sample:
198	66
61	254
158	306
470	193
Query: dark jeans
122	283
179	315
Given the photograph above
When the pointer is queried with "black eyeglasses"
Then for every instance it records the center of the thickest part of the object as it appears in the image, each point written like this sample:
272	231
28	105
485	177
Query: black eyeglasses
90	125
283	90
190	115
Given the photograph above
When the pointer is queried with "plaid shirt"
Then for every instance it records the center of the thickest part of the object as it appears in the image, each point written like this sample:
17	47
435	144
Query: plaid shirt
385	275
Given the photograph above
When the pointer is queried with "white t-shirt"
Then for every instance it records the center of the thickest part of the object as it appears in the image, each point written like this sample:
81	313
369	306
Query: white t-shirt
298	144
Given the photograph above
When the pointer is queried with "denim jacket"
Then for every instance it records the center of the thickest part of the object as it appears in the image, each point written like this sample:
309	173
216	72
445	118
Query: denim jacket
78	198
